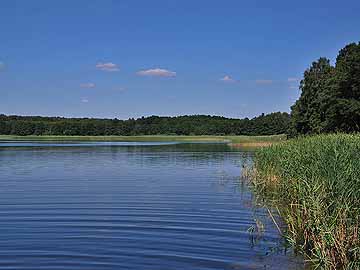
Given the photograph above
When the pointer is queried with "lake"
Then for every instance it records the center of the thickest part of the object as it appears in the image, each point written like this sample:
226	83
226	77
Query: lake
132	206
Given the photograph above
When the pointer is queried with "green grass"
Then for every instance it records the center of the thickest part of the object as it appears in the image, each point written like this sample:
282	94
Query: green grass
232	139
315	183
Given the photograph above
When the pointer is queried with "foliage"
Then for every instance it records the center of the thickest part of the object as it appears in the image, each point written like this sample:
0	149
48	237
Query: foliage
330	96
316	181
274	123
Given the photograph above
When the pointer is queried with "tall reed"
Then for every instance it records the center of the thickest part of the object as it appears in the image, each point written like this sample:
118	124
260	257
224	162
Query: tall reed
315	182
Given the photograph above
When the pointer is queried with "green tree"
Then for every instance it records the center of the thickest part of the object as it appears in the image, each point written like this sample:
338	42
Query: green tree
306	113
330	96
343	109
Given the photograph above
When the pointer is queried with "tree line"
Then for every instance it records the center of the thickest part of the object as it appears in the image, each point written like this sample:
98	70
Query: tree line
330	95
273	123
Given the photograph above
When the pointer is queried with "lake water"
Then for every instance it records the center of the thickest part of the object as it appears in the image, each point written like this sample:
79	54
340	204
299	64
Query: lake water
159	206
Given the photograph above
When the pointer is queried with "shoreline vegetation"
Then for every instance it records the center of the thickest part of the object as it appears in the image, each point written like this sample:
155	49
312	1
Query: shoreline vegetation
236	141
314	182
199	125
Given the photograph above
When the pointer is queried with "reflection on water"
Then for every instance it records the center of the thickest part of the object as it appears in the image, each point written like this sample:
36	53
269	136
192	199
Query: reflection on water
131	206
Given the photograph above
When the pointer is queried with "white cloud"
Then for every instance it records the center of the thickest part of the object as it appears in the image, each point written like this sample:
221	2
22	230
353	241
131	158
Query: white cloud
84	100
264	81
87	85
227	79
293	79
293	87
158	72
107	66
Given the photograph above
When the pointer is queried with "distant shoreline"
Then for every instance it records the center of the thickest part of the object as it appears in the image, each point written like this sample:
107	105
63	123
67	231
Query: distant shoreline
234	140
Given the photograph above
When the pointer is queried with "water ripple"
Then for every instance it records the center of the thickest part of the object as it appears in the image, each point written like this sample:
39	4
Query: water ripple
176	206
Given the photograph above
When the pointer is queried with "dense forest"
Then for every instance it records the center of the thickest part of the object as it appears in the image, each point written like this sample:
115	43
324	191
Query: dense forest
330	95
274	123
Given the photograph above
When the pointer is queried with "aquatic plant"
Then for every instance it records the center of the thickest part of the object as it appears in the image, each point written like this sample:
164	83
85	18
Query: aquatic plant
315	183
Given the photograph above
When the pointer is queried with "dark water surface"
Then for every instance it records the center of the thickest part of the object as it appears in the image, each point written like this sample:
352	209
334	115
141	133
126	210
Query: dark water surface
131	206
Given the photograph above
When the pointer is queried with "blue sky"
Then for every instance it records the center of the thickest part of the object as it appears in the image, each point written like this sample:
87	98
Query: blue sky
138	58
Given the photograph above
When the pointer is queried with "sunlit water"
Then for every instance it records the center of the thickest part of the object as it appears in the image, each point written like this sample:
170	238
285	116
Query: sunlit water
131	206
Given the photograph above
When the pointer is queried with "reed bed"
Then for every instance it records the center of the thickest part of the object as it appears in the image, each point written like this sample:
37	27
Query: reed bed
315	184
